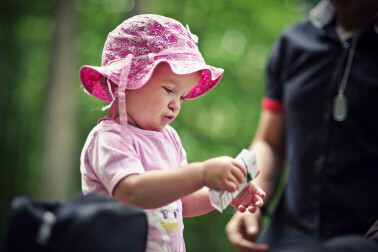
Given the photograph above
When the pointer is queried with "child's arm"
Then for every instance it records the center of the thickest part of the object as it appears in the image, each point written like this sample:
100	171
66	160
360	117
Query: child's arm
197	203
160	187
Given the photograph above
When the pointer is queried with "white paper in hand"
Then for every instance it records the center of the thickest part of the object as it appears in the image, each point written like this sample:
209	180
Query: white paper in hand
220	199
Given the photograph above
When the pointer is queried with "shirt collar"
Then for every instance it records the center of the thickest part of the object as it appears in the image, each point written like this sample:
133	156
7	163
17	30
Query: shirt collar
322	14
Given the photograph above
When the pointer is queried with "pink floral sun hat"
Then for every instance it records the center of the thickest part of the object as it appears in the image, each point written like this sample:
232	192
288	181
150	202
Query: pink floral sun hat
134	49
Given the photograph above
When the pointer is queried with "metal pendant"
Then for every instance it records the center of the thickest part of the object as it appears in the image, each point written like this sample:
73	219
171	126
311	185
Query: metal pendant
339	108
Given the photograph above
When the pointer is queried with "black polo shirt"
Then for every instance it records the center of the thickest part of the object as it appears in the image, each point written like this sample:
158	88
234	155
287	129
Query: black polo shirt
332	187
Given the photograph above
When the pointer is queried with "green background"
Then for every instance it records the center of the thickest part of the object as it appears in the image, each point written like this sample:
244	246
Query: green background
43	128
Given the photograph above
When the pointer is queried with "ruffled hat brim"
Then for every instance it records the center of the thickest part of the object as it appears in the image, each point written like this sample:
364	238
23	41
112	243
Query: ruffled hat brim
95	78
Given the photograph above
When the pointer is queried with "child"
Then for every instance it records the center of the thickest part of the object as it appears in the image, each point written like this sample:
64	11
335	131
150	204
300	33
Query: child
150	65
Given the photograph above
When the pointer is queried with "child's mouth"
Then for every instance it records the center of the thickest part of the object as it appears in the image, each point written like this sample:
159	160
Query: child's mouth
169	118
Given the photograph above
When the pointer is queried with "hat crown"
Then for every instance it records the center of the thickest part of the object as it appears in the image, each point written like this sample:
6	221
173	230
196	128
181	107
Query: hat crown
133	50
144	34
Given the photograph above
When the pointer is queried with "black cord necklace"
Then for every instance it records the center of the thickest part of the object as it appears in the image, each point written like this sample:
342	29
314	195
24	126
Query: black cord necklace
340	102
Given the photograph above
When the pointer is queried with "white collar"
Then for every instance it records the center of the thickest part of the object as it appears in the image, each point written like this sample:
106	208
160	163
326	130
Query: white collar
322	14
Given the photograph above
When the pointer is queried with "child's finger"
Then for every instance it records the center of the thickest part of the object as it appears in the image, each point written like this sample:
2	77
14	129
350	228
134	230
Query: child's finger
241	167
231	186
233	179
258	200
241	208
259	191
252	209
238	174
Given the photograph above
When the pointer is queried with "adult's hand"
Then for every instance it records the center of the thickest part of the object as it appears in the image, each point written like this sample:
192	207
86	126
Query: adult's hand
242	231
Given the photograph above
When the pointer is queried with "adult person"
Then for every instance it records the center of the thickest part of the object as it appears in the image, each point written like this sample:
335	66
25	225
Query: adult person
320	117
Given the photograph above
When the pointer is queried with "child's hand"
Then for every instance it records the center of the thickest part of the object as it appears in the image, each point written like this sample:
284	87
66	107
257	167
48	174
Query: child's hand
223	173
249	199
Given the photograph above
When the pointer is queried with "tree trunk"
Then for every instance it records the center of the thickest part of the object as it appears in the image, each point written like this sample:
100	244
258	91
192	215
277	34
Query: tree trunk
59	139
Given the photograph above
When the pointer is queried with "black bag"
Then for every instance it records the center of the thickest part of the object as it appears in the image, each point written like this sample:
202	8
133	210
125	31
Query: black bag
372	233
92	222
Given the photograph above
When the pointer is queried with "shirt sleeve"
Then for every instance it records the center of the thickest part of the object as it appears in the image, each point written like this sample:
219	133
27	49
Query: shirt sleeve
272	105
113	157
275	71
178	145
181	150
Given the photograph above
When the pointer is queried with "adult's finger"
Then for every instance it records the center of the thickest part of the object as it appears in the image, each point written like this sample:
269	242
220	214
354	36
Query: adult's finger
240	236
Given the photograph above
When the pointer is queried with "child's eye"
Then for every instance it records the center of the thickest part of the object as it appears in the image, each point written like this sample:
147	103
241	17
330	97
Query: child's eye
168	90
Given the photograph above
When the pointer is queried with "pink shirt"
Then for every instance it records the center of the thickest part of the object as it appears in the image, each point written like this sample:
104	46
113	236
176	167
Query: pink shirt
112	153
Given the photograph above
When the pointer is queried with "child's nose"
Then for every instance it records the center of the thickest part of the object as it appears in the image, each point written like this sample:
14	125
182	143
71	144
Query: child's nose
175	105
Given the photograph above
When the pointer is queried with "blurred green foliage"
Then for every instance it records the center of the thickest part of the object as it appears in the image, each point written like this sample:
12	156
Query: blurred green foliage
235	35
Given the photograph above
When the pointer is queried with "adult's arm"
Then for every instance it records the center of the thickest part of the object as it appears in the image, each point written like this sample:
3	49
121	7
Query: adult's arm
269	147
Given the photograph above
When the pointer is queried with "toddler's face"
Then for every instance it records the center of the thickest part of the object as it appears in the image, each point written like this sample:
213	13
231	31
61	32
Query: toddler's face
158	102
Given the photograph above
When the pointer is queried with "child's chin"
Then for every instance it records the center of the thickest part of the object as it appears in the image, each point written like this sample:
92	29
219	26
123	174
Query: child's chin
157	128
